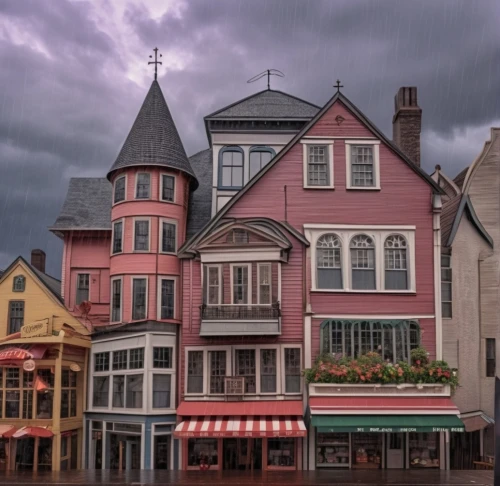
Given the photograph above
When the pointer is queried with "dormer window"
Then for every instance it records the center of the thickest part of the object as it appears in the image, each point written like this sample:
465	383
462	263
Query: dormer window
119	192
143	187
231	168
237	236
19	283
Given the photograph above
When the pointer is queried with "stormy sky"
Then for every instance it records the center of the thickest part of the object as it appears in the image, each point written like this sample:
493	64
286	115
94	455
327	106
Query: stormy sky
74	73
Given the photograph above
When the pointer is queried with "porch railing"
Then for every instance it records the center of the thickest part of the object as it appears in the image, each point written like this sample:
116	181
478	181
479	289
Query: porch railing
240	312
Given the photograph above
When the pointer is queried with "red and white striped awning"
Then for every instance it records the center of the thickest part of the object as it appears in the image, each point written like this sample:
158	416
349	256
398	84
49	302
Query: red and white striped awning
242	426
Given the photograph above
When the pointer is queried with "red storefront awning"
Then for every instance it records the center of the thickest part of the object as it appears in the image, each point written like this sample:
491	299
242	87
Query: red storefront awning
275	407
6	429
24	432
242	426
357	405
13	353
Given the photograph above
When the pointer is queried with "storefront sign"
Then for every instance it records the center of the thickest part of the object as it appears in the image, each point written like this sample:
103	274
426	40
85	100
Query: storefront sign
35	329
390	429
29	365
234	386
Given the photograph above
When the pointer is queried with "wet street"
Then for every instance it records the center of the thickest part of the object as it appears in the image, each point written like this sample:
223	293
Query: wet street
214	478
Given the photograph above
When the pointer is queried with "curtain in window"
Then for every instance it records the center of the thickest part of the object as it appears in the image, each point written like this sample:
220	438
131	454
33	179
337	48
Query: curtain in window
363	263
161	391
329	262
396	271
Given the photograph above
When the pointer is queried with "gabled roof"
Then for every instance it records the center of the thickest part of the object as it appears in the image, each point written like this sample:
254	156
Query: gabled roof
153	138
451	216
267	104
53	285
447	184
87	206
358	114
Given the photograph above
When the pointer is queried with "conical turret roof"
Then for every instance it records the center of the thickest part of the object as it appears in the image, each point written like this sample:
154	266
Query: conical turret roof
153	138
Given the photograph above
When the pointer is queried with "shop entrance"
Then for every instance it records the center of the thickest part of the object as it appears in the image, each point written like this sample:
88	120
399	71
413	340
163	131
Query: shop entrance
125	452
25	454
242	454
395	451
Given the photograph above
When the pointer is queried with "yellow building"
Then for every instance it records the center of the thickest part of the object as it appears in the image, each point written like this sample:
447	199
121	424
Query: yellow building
43	367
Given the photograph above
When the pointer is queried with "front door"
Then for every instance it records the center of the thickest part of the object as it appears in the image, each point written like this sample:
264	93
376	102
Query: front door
395	451
242	454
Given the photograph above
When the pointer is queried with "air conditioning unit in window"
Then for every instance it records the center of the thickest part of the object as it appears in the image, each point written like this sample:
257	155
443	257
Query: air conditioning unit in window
234	387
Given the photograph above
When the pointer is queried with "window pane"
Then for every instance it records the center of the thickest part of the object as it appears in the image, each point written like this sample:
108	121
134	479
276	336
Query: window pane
44	404
134	391
213	285
195	372
143	185
12	404
16	316
101	361
292	370
28	404
362	166
168	238
117	301
117	237
101	391
139	299
119	190
141	238
118	391
317	165
167	299
232	169
217	371
396	280
245	366
161	391
120	360
82	288
264	284
168	188
240	285
363	268
136	360
162	357
490	357
268	371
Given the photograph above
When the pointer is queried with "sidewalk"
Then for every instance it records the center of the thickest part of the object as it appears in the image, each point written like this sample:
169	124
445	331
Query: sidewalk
241	478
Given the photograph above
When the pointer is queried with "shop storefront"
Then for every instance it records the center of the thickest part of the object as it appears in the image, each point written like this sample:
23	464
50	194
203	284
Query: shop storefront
241	435
372	432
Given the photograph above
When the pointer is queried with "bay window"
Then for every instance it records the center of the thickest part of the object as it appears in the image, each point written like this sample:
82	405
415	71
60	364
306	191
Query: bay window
167	188
100	391
161	390
116	300
117	237
134	391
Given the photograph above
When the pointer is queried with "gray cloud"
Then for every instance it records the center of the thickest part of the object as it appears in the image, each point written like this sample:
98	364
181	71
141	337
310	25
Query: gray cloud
67	104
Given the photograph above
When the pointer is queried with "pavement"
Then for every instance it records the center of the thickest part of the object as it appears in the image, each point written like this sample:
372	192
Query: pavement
241	478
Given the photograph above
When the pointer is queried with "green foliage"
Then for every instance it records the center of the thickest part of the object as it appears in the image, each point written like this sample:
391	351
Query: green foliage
371	368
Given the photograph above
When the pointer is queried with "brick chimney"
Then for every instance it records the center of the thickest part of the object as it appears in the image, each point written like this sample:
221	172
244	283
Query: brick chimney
38	259
407	122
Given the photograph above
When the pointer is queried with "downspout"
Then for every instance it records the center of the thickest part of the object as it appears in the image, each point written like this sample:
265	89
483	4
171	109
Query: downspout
436	226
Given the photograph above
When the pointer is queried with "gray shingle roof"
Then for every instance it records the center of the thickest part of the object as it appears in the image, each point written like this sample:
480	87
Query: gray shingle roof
51	283
267	104
200	201
448	215
153	138
87	205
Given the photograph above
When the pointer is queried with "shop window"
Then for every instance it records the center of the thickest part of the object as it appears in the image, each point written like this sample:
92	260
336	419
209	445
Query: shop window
202	451
68	394
45	395
329	262
161	390
134	391
167	188
332	449
424	450
281	452
393	340
82	288
120	360
18	393
195	372
218	364
18	283
162	357
101	391
491	357
101	361
16	315
245	366
118	391
136	360
268	371
367	450
292	370
446	286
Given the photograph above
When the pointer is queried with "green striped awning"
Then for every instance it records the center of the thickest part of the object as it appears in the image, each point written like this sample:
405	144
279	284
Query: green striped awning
387	423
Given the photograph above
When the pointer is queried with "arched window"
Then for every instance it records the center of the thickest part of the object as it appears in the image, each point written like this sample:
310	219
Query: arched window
259	158
18	283
329	262
231	168
363	263
396	266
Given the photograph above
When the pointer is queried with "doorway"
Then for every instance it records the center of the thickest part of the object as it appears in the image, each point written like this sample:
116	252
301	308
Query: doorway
125	452
395	451
162	452
242	454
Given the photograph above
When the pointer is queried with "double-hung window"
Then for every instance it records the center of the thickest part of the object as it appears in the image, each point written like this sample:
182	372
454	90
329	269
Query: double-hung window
264	270
396	263
363	263
116	300
195	372
82	288
362	166
168	237
318	165
259	158
167	298
245	366
117	237
139	298
143	186
212	276
16	315
231	168
329	262
292	370
446	286
241	284
167	188
119	192
268	370
218	364
141	235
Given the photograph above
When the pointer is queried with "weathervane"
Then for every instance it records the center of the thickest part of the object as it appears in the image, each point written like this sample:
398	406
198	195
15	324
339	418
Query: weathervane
268	73
338	85
155	62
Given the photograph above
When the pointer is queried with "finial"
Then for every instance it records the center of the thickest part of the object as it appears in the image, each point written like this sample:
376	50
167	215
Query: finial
155	62
268	73
438	167
338	85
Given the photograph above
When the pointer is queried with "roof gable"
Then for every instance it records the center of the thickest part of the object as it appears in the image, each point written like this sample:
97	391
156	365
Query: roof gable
324	119
153	138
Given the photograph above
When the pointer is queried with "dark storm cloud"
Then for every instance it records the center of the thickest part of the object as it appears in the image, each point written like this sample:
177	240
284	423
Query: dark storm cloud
66	104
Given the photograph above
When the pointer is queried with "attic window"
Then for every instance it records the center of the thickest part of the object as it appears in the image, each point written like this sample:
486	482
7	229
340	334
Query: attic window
237	236
19	283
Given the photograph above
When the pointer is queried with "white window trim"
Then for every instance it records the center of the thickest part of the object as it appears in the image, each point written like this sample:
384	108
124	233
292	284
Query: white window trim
249	266
206	364
283	365
111	299
114	184
158	299
86	272
149	235
160	235
122	221
138	277
345	234
259	265
205	290
329	143
150	186
376	164
160	195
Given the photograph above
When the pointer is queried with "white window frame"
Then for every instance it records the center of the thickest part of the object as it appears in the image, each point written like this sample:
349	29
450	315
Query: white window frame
249	266
114	184
378	234
84	272
259	265
122	221
206	364
283	376
149	235
160	235
376	164
219	269
305	149
158	297
150	186
138	277
160	195
111	299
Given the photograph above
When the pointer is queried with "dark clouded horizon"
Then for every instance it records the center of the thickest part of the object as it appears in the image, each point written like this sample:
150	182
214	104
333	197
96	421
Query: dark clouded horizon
74	74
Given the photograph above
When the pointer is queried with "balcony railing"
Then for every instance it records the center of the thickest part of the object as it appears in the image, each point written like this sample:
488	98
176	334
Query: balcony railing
240	312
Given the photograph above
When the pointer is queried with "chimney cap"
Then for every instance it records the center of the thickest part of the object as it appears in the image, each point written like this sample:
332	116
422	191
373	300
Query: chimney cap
406	98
